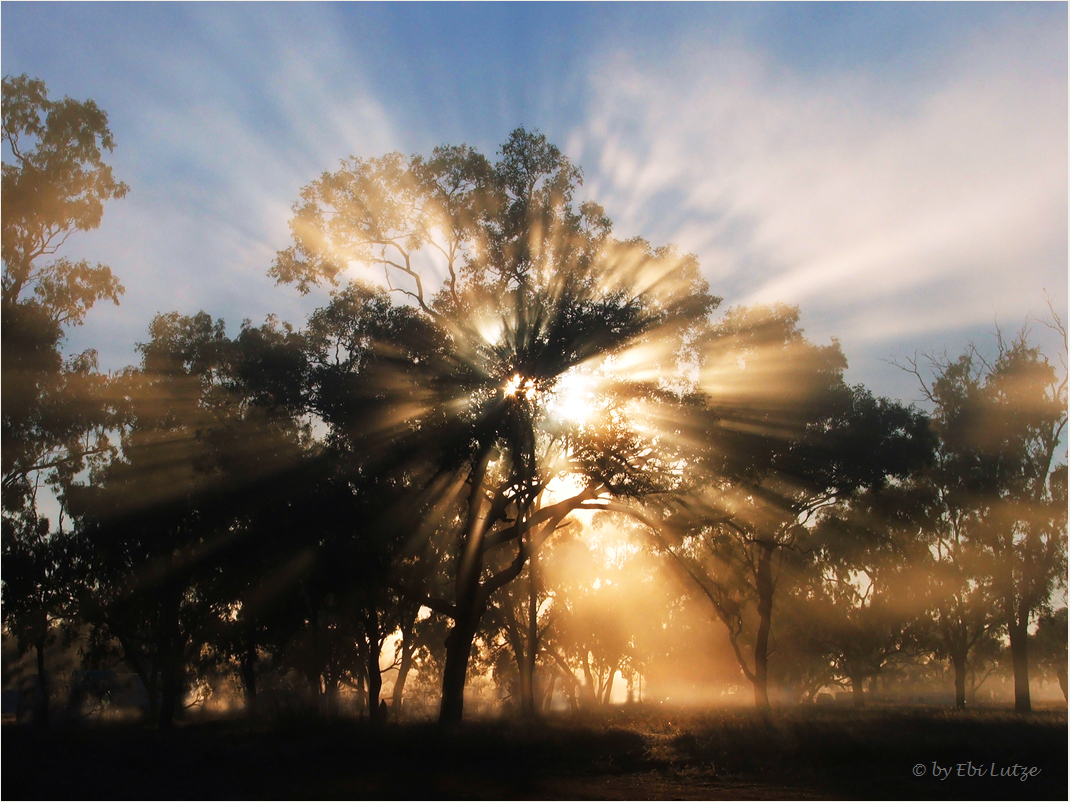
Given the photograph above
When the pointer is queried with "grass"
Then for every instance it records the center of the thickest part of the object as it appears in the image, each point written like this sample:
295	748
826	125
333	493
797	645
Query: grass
621	753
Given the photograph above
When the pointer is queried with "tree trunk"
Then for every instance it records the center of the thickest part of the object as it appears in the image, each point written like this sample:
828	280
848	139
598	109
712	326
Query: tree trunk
40	713
470	565
589	689
330	697
573	701
858	692
362	694
408	648
608	689
398	694
152	691
170	690
527	689
376	712
248	678
764	585
1019	635
458	650
548	696
958	662
527	662
170	656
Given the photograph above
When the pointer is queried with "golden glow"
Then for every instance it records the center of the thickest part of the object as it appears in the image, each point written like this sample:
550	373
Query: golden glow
573	399
521	386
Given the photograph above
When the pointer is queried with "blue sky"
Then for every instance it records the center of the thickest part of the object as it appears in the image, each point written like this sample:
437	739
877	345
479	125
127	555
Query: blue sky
899	171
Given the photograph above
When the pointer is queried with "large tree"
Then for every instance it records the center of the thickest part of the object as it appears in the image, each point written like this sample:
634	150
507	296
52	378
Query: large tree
56	410
189	523
521	294
1001	424
786	438
866	600
55	184
954	569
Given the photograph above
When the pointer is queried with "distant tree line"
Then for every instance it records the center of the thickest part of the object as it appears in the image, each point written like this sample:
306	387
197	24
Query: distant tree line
381	488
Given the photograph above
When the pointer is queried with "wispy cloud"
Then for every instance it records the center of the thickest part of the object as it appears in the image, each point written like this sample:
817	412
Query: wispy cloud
885	205
228	127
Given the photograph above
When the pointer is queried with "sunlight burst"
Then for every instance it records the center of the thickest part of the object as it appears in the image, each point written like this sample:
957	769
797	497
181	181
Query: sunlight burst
573	398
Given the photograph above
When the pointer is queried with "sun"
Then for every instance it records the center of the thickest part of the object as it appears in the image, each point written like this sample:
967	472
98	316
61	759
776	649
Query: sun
521	387
573	398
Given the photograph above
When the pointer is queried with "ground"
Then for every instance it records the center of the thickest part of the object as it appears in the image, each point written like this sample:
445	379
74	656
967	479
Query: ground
624	753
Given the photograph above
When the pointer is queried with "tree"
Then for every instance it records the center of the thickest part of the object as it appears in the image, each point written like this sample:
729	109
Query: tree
205	458
1049	646
56	185
1000	425
786	439
55	411
956	571
531	291
606	607
868	604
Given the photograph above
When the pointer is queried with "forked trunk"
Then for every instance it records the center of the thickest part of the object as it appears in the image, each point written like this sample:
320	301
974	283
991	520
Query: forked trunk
408	647
376	710
607	691
398	694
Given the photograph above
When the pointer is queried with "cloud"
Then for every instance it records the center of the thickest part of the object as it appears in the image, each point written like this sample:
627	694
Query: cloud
885	205
231	120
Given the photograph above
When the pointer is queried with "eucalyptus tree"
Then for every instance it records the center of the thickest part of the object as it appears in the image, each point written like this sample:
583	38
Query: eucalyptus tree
1001	425
954	571
1049	646
172	530
870	599
786	439
276	479
519	294
55	410
55	183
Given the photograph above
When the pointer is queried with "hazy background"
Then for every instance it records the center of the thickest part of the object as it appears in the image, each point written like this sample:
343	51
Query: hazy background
899	171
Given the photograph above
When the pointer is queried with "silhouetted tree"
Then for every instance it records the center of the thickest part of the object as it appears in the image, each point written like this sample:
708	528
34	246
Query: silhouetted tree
56	184
1048	646
785	439
163	526
531	289
55	411
275	479
1000	424
867	604
955	572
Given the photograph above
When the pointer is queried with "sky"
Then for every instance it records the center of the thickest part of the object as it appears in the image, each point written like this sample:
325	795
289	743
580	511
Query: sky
898	171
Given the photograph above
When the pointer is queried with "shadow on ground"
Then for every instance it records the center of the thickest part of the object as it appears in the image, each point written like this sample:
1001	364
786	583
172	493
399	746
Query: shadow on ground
623	754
